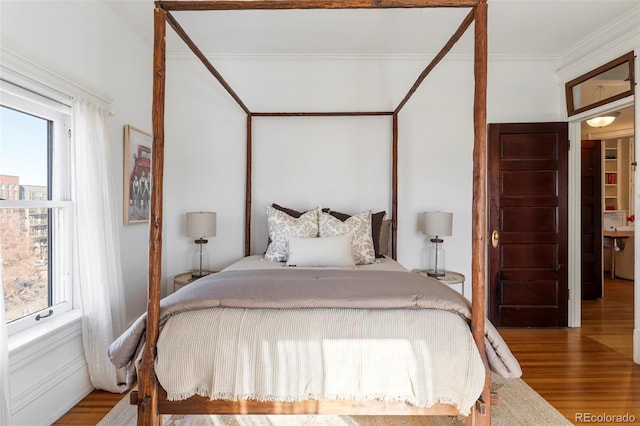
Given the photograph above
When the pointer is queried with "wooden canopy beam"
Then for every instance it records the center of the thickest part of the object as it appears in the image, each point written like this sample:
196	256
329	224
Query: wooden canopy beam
394	167
443	52
320	114
310	4
196	51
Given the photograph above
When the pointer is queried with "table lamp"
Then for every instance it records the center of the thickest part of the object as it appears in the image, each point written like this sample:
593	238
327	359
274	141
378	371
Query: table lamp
437	224
200	225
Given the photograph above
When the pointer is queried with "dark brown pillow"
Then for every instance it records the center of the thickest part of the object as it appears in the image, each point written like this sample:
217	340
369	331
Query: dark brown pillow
292	212
385	237
376	226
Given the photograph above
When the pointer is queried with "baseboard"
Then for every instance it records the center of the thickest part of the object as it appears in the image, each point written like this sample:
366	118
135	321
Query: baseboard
48	375
74	388
46	400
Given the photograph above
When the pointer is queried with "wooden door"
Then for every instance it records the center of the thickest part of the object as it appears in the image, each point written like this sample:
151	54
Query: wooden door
591	208
528	165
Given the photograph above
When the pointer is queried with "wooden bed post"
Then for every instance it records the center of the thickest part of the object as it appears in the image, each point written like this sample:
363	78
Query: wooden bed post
479	216
394	189
147	382
248	185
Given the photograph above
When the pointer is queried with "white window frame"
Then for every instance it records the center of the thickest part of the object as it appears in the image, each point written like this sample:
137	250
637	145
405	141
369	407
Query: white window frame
35	101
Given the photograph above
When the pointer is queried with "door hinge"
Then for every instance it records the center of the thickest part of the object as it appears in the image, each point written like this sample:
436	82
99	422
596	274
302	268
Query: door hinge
568	145
569	294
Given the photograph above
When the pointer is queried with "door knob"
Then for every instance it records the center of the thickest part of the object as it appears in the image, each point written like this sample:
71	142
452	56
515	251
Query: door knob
495	238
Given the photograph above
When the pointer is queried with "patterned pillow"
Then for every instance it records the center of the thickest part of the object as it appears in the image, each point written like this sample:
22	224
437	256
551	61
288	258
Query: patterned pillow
376	229
281	226
360	225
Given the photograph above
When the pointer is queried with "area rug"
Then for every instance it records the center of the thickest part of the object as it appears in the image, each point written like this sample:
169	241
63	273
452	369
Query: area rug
519	405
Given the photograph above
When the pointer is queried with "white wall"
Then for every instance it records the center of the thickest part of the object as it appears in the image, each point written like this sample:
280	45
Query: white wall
88	44
205	142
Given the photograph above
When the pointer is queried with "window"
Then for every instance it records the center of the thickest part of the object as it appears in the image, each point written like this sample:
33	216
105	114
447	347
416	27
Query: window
35	211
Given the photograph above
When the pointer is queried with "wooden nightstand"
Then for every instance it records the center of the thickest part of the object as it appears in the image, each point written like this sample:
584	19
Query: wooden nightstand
450	278
185	279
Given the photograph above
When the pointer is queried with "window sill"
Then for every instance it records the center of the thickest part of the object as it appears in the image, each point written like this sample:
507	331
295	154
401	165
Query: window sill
25	338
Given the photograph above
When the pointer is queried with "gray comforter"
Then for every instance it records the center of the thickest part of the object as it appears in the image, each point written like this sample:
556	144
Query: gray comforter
315	288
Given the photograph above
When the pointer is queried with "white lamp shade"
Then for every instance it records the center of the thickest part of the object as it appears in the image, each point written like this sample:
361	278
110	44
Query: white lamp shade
438	223
201	224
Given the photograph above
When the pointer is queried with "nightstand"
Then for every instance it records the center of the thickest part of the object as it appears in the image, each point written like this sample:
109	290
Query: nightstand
449	278
185	279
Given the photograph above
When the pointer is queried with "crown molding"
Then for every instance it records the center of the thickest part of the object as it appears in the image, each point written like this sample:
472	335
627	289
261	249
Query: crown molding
145	35
508	57
452	57
305	56
609	42
18	68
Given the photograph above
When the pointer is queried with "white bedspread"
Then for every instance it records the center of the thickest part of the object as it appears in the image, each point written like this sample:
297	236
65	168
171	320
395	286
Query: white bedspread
320	353
296	354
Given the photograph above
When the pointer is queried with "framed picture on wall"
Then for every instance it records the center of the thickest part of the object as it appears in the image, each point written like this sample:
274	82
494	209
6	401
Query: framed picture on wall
137	175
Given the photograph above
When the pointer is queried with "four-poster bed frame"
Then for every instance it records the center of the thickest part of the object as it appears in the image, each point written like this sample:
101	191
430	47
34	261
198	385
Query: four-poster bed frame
150	397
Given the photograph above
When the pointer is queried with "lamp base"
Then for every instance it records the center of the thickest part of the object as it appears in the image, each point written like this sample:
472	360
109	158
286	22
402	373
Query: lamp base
435	262
199	274
200	259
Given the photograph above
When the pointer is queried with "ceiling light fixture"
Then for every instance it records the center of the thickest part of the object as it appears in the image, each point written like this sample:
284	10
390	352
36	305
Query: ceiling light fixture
603	120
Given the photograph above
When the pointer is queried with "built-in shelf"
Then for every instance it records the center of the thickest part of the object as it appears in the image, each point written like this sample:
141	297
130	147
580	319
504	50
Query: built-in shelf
610	168
618	175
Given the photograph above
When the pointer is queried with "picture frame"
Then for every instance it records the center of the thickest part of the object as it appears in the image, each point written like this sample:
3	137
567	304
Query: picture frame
137	175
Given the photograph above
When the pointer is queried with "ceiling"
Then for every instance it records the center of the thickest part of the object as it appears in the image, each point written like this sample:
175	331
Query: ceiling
516	27
525	28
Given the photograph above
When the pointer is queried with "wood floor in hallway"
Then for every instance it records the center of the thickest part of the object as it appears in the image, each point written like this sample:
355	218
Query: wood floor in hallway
585	371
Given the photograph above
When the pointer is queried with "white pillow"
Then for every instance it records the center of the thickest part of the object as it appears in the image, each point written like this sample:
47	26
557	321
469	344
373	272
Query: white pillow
281	227
330	251
360	226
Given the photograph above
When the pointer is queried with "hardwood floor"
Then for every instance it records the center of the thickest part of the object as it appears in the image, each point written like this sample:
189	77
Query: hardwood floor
584	371
91	410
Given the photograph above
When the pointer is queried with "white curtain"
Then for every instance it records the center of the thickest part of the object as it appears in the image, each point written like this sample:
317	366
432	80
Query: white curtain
97	272
5	395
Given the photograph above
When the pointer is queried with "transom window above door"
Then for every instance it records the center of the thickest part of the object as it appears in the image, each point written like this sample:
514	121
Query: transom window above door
603	85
